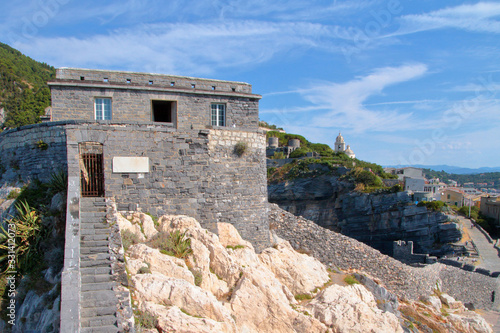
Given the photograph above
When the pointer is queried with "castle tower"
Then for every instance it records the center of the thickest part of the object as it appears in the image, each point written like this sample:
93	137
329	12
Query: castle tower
339	144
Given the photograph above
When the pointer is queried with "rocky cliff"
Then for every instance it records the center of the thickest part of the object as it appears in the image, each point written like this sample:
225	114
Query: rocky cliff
376	219
222	285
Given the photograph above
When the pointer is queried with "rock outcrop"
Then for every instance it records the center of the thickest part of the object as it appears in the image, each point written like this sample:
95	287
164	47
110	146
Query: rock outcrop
374	219
278	290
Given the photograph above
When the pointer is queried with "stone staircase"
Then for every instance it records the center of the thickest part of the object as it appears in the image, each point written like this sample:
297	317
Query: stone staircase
98	301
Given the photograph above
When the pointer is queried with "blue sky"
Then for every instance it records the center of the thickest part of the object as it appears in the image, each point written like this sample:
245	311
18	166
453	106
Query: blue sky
406	82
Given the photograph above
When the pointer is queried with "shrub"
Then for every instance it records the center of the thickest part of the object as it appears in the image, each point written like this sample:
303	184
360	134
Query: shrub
172	243
145	319
13	194
278	155
42	145
301	297
58	182
350	280
240	148
27	231
128	239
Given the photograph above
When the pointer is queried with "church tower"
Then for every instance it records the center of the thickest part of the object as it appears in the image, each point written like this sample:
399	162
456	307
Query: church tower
339	144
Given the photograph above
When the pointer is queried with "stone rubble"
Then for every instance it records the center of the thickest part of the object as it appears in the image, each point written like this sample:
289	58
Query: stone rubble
344	253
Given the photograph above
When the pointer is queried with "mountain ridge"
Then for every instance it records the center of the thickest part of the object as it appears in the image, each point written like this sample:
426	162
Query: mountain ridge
450	168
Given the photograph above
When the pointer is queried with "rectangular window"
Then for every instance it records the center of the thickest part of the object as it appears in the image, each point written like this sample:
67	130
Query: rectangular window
103	108
218	115
164	111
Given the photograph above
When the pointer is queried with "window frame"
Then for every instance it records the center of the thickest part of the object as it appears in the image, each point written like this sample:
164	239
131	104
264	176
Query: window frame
216	107
99	101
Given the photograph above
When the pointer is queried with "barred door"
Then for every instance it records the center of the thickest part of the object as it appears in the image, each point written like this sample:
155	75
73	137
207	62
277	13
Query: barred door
92	175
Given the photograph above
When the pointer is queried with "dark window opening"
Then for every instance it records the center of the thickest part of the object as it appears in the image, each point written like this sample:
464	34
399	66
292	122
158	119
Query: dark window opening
163	111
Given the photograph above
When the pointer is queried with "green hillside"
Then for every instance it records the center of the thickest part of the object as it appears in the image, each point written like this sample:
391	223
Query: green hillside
24	93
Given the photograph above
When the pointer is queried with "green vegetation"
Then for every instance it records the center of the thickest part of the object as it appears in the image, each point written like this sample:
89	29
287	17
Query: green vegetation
24	92
436	206
487	177
172	243
128	239
145	320
235	247
350	280
487	223
278	155
368	176
240	148
302	297
266	125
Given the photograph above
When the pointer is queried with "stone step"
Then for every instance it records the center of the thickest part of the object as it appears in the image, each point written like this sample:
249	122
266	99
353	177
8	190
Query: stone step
98	278
99	295
98	311
95	256
98	225
99	322
95	263
94	250
92	237
95	270
101	329
98	286
93	243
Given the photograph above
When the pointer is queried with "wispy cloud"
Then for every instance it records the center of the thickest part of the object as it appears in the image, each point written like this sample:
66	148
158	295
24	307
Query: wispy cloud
479	17
188	48
343	102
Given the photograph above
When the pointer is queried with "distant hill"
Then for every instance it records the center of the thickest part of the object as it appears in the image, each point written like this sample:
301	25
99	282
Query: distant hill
24	93
454	169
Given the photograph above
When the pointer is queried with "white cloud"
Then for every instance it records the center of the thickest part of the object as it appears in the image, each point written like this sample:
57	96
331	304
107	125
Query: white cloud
477	17
186	48
344	102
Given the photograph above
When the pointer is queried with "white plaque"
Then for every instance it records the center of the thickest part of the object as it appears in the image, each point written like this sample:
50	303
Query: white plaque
130	164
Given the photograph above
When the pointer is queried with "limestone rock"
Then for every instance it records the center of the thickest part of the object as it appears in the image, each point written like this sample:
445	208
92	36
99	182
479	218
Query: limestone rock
147	223
170	223
160	289
201	261
261	303
159	263
469	322
433	301
229	236
451	302
126	225
299	272
352	309
173	319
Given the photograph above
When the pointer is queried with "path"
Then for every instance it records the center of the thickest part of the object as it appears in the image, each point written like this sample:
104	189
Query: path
488	259
98	300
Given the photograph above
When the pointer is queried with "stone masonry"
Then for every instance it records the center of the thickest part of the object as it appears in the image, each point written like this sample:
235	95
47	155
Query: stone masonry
73	98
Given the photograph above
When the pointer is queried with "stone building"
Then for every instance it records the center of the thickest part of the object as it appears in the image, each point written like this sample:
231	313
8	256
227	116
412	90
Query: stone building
340	146
159	143
490	206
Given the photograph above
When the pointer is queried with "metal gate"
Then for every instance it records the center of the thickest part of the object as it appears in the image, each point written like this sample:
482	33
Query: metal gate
92	175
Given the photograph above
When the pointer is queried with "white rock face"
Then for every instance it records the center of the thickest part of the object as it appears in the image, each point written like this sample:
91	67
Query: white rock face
159	289
224	286
158	262
299	272
352	309
126	225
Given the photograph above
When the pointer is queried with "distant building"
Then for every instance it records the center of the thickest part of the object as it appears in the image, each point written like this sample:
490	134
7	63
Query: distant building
453	196
490	206
413	178
273	147
340	146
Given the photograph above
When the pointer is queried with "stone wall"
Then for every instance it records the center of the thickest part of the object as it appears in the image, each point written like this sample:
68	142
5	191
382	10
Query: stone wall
195	173
73	98
33	151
